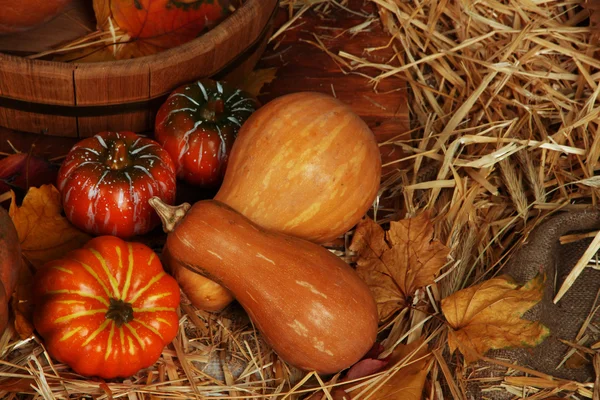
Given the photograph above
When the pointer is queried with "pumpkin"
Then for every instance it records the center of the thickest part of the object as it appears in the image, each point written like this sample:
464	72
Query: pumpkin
311	307
106	181
304	164
106	310
23	15
10	263
197	125
145	27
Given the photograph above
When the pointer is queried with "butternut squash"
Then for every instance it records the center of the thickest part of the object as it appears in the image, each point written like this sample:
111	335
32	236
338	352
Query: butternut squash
310	306
203	293
305	165
10	263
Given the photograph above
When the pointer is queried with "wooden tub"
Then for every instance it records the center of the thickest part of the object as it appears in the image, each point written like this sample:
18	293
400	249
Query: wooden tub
70	99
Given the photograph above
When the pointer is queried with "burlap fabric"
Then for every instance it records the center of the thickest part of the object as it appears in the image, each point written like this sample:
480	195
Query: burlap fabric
544	251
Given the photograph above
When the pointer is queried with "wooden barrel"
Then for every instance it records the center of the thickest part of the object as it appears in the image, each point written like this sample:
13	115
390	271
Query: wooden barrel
81	99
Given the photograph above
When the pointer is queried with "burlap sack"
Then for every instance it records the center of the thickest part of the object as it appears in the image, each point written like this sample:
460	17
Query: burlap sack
544	251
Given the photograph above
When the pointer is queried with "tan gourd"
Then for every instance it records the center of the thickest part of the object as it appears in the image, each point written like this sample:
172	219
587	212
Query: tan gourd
311	306
304	164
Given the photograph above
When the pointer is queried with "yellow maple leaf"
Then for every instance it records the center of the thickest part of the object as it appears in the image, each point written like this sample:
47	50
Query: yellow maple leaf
403	379
408	381
44	233
398	262
488	316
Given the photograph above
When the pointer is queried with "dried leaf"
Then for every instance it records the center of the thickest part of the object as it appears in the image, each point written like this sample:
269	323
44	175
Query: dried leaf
255	81
398	262
577	361
43	232
408	382
407	375
23	170
488	316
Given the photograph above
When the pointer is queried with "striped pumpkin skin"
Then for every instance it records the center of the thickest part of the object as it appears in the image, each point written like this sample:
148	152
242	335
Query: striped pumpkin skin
304	164
106	180
198	125
74	299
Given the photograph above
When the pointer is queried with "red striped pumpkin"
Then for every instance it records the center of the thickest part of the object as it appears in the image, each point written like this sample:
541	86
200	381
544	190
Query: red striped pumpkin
198	124
107	309
106	181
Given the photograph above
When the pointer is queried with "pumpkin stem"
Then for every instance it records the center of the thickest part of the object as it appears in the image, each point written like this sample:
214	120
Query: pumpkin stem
169	215
118	157
120	312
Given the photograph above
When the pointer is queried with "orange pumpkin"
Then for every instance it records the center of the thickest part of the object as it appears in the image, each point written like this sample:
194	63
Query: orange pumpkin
21	15
149	26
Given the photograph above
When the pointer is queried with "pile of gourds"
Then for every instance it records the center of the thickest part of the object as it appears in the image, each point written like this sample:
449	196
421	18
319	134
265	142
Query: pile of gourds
303	170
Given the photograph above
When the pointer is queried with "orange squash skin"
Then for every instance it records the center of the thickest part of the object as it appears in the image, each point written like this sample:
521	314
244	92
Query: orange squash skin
311	306
304	164
203	293
22	15
10	262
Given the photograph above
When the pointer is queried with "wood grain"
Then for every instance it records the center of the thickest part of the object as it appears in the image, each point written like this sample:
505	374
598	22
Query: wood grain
125	81
302	66
33	80
99	84
220	47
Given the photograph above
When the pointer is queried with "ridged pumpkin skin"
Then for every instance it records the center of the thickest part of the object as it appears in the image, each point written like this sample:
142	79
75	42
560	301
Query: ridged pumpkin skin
304	164
312	308
10	262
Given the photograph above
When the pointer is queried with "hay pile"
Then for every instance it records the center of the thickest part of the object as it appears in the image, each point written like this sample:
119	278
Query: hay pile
505	113
505	105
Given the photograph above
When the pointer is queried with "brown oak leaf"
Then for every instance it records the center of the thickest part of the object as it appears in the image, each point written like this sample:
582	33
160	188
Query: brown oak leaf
397	262
488	316
44	233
